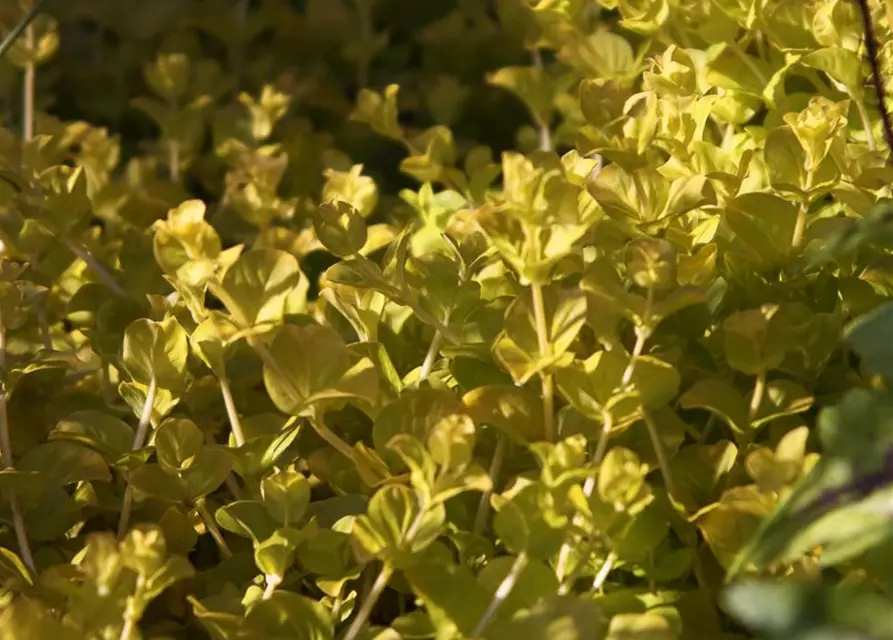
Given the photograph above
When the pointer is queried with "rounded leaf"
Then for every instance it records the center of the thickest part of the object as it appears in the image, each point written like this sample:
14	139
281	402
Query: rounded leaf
306	360
340	228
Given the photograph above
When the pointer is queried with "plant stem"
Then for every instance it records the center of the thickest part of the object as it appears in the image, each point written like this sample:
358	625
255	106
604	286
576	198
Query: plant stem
41	311
431	356
138	441
545	348
272	581
95	266
174	160
335	441
800	224
202	507
235	423
105	381
29	88
480	518
23	24
337	605
708	429
384	575
588	487
662	461
231	482
544	133
318	424
18	517
759	390
266	356
502	592
866	119
131	615
874	61
642	335
603	571
369	602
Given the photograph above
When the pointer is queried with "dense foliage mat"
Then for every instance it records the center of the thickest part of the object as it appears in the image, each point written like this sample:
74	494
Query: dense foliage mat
400	319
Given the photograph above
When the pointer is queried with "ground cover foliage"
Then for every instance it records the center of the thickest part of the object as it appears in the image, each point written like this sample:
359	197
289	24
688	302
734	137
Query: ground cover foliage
387	319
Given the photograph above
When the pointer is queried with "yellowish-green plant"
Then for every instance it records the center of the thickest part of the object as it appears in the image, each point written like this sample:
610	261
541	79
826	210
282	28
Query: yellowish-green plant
384	319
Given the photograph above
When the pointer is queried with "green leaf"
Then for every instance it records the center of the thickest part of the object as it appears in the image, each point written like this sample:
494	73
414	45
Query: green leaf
156	350
308	362
154	481
340	228
169	76
12	567
175	569
414	413
247	518
532	85
63	462
566	617
729	525
656	381
621	480
782	398
207	470
287	615
135	395
185	241
351	187
537	581
177	440
256	286
842	65
276	554
396	528
773	607
639	626
765	223
516	411
450	592
871	336
721	398
210	340
286	495
379	111
565	313
107	435
752	345
698	471
328	553
528	522
856	435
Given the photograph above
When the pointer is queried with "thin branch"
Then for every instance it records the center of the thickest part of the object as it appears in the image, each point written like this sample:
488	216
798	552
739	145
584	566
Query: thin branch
28	88
431	356
545	350
95	266
202	507
502	593
874	60
139	440
603	572
480	518
25	22
6	462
